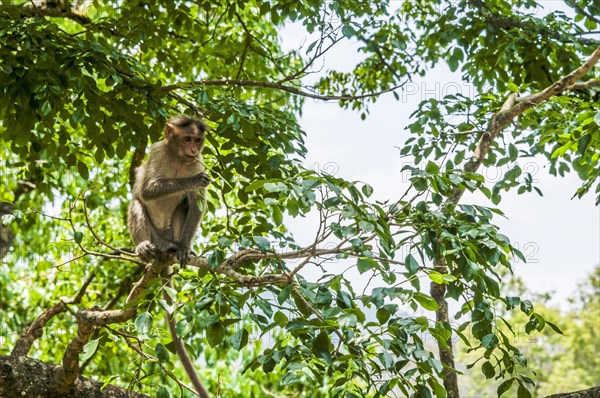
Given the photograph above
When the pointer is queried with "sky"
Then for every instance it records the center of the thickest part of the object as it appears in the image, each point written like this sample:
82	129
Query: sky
559	236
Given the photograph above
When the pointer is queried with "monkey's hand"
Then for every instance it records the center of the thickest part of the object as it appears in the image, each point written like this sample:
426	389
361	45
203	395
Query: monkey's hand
146	251
202	179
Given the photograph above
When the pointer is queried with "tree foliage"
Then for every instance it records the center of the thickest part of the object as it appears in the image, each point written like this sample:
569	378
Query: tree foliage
86	85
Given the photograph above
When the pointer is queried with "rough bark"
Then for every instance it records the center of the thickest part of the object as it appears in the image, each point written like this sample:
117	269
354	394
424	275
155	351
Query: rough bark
593	392
27	377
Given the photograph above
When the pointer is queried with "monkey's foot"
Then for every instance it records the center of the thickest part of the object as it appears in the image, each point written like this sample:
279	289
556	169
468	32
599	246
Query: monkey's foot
183	255
146	251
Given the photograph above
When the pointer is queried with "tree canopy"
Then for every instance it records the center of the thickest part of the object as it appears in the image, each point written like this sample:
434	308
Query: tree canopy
87	85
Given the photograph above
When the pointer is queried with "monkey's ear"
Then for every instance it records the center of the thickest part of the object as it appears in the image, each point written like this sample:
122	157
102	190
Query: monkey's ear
169	129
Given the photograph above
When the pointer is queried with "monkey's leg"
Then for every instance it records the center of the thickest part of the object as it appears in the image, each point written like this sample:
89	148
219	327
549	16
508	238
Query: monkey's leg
141	229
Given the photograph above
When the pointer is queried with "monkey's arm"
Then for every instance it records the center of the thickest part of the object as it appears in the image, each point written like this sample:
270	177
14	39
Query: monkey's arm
154	188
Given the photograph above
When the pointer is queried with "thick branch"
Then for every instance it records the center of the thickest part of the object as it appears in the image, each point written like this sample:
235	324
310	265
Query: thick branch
89	319
27	377
35	330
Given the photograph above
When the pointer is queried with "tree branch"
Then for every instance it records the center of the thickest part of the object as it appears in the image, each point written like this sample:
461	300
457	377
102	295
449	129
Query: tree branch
515	106
586	85
589	393
512	107
275	86
35	330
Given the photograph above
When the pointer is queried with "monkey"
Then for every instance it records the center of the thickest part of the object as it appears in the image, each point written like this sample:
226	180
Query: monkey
164	213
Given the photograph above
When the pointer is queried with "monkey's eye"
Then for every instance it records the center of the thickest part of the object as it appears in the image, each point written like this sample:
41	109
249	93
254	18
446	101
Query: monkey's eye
188	139
198	140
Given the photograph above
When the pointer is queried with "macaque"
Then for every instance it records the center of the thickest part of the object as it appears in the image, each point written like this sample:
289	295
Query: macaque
165	211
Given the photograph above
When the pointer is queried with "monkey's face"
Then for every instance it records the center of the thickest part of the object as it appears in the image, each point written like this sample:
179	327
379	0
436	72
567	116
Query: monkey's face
187	145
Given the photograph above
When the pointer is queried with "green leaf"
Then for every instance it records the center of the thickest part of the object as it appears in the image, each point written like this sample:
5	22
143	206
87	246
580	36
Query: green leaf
436	277
526	307
88	350
523	392
348	320
216	258
364	264
277	215
262	243
273	187
161	353
367	190
78	236
420	184
321	343
324	296
215	334
584	141
284	294
488	370
366	226
208	321
331	202
513	152
489	341
240	339
348	31
247	129
554	327
343	300
83	170
383	315
280	318
411	265
453	63
426	301
432	168
143	323
162	392
46	108
504	387
438	390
